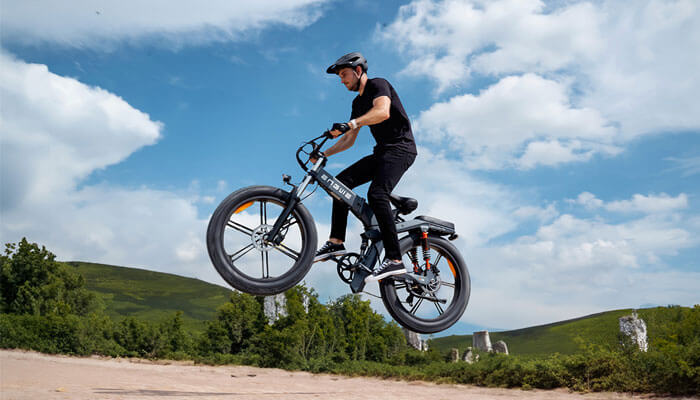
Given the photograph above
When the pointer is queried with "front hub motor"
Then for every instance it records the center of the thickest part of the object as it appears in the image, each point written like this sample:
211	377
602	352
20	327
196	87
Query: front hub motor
258	238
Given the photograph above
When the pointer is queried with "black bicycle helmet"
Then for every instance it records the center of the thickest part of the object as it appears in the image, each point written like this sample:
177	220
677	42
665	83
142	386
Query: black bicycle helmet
351	60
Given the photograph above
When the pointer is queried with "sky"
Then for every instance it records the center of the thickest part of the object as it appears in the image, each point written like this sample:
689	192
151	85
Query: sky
561	137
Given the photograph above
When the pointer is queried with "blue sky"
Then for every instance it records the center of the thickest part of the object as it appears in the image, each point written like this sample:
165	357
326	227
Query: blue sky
561	137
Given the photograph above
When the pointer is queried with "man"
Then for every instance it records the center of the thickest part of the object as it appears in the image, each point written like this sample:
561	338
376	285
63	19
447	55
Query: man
378	106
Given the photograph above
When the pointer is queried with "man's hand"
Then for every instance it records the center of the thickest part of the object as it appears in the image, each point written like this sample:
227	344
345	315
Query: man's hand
315	155
339	128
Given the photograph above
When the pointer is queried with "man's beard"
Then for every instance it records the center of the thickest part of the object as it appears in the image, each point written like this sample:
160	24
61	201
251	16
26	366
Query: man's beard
356	88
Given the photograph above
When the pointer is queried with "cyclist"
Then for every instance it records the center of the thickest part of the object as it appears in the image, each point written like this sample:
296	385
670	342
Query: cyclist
378	106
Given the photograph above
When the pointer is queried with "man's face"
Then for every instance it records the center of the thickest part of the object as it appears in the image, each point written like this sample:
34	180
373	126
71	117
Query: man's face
349	78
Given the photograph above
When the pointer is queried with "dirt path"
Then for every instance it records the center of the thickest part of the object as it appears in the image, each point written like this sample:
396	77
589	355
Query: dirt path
29	375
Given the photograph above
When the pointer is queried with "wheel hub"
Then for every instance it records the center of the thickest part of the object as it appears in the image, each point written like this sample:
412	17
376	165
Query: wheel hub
433	281
434	284
258	238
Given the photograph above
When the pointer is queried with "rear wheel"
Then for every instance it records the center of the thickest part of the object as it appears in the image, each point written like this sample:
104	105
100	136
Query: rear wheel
240	252
440	301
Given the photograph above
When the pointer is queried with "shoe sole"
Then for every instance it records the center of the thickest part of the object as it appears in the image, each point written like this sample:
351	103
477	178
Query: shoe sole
328	256
373	278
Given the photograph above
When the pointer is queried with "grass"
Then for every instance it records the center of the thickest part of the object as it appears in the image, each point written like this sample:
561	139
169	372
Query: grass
151	295
564	337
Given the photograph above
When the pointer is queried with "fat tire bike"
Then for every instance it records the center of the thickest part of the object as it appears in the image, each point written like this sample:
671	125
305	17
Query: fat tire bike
262	240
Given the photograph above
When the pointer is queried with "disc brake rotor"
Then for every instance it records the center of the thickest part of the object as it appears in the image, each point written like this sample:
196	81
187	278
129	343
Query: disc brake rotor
258	238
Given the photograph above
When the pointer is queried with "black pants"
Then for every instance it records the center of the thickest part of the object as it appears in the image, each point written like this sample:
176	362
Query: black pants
384	169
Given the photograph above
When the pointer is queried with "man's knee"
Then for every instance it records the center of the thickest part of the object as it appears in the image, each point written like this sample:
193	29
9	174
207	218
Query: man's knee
377	196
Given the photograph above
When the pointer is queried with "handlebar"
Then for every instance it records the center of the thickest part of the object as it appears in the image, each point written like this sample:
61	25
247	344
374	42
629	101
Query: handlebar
316	147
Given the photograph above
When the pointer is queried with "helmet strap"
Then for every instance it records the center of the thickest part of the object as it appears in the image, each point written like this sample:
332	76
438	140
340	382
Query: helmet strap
357	85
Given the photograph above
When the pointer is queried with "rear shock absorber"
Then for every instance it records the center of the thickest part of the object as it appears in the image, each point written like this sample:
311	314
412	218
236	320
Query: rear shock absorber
413	255
426	249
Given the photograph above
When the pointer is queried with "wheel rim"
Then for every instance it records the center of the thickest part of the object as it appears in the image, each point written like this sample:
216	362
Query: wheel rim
244	245
445	285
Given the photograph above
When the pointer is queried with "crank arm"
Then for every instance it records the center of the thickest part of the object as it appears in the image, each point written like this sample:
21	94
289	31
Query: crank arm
412	278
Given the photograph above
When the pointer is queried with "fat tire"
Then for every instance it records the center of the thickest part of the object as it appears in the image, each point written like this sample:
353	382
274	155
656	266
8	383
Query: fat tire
231	274
452	314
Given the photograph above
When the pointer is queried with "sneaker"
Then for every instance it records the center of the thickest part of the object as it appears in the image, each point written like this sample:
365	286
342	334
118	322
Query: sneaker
329	250
388	268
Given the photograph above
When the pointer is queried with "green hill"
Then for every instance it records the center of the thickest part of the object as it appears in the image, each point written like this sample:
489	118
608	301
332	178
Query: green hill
565	337
152	295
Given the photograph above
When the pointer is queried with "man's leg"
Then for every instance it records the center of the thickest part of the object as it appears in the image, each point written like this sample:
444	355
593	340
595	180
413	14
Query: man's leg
353	176
390	168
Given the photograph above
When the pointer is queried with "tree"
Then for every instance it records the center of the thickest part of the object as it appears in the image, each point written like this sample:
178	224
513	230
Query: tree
33	282
234	324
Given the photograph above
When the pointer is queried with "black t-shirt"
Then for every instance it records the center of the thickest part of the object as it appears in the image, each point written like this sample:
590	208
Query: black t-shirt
393	133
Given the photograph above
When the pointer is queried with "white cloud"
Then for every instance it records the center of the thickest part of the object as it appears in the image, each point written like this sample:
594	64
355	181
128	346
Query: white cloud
574	266
449	39
648	204
687	165
55	131
520	121
543	214
622	69
445	189
587	200
95	23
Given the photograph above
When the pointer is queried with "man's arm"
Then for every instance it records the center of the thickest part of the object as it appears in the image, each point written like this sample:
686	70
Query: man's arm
377	114
345	142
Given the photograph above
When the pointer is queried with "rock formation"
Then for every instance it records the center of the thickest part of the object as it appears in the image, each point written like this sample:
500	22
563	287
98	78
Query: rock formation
454	355
415	340
469	356
636	329
275	307
481	341
500	347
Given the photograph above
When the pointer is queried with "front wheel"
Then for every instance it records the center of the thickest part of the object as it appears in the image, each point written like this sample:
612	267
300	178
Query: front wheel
238	247
440	302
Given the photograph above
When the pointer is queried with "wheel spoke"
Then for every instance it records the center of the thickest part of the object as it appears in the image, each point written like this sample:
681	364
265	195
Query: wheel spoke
448	284
239	227
437	260
294	255
265	264
288	223
263	212
240	253
439	307
415	307
400	286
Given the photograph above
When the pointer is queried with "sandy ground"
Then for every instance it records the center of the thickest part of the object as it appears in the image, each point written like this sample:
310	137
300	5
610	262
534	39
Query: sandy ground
29	375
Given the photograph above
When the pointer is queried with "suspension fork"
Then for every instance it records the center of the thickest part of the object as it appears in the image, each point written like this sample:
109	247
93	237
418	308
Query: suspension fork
294	198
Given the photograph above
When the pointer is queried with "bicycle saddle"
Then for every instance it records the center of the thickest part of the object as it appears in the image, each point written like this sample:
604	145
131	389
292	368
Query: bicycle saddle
405	205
